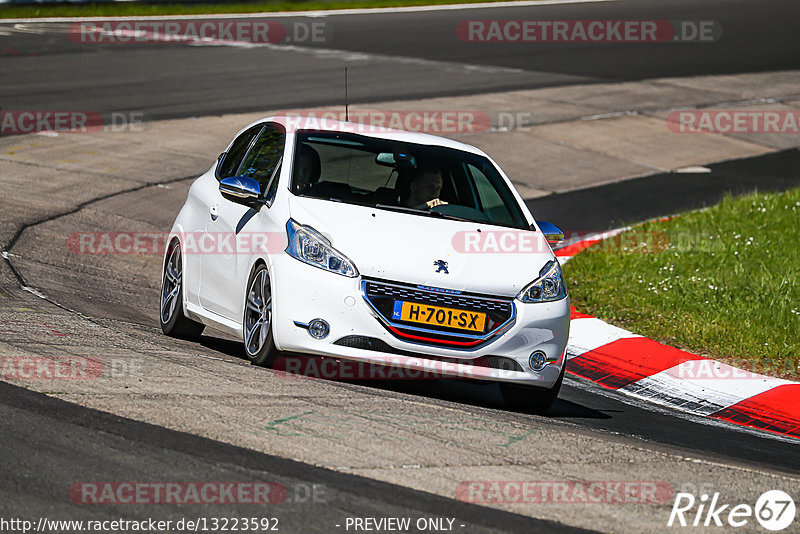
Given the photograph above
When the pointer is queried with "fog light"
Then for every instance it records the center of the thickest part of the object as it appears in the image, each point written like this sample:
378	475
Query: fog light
318	329
537	360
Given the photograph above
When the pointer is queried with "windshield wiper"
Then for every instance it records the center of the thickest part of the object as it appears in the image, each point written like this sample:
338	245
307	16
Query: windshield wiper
437	214
401	208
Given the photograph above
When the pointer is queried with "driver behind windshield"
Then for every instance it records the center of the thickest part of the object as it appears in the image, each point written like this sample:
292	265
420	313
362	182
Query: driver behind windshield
424	188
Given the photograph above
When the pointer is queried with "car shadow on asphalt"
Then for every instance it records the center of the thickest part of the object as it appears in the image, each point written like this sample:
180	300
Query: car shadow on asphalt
462	391
486	395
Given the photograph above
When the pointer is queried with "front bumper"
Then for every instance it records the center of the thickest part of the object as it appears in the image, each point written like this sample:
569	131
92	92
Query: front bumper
302	293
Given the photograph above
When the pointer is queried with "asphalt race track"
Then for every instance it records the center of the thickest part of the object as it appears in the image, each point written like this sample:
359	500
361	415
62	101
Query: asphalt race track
184	411
397	56
100	446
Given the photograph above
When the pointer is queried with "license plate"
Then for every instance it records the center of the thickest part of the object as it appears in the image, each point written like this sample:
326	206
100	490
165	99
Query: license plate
438	316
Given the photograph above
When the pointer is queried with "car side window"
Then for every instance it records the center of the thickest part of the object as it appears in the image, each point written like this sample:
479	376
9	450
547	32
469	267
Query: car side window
491	203
264	157
233	158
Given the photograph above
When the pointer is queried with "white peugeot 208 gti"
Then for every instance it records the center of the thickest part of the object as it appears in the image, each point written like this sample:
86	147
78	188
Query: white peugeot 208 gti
370	244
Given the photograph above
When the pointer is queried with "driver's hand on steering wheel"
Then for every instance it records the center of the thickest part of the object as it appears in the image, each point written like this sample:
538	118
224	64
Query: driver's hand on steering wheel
435	202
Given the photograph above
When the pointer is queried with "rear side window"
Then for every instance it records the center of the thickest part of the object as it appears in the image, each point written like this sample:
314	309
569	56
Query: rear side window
262	160
230	164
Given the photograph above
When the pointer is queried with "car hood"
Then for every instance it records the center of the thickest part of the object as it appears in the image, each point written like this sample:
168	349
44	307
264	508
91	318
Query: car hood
402	247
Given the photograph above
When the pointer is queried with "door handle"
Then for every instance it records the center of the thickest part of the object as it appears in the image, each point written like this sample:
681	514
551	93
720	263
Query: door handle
214	210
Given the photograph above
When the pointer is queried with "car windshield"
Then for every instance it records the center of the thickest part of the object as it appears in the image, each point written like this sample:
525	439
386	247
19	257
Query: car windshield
420	179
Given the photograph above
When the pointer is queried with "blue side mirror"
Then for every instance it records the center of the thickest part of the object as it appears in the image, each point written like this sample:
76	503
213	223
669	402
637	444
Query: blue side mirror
552	233
241	189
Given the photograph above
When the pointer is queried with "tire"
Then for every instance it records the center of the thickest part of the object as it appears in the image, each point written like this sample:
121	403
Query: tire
173	321
530	399
259	346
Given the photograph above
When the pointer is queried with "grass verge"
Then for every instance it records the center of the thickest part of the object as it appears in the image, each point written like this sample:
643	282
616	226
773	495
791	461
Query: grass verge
722	282
130	9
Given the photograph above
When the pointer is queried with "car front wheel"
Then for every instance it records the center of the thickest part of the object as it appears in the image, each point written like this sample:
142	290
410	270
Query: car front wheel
258	343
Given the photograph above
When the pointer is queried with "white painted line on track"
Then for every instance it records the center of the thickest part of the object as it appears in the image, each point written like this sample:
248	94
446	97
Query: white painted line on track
317	13
353	56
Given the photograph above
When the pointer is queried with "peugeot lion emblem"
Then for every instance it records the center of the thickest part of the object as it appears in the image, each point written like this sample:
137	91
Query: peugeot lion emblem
441	266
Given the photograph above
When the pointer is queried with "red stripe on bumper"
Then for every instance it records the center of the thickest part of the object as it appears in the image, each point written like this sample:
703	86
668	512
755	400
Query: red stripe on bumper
434	340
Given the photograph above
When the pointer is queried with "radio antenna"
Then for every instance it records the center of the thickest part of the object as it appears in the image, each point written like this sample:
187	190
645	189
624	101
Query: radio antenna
346	107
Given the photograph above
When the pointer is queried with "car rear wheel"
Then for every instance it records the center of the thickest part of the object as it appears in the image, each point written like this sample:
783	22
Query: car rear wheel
530	399
258	343
173	321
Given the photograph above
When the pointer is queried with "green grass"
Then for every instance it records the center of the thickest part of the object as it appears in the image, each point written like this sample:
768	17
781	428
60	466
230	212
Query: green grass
139	9
722	282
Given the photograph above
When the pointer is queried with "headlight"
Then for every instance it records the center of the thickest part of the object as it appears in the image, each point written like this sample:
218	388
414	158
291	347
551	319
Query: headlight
311	247
548	287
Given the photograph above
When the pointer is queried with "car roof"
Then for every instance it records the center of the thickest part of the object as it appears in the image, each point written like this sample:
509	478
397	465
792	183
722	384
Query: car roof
321	124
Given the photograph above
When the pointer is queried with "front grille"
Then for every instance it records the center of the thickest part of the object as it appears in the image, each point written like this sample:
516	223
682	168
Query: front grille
378	345
382	296
376	289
